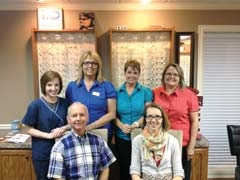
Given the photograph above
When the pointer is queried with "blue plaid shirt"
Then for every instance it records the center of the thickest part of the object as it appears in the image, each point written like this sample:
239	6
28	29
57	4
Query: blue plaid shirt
74	157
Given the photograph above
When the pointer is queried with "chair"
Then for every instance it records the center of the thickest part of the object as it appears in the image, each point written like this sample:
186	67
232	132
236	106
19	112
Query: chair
101	132
176	133
234	145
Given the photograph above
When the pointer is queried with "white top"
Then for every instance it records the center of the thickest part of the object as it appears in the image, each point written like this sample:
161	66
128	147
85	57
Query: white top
171	162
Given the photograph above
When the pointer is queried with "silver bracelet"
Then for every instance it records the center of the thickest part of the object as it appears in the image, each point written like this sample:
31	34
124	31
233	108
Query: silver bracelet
136	123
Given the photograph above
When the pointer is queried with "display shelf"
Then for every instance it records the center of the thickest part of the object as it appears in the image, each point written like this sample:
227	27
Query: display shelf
59	50
153	48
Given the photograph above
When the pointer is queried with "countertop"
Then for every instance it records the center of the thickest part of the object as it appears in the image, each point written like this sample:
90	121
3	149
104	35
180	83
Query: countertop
201	142
6	133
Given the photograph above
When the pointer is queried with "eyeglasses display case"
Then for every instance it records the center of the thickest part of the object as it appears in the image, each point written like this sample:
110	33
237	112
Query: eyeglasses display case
59	50
153	48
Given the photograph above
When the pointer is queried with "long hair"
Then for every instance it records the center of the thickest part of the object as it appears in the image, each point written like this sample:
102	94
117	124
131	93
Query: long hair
165	122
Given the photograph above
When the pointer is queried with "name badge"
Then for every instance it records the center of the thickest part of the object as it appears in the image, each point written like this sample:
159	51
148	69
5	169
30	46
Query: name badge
95	93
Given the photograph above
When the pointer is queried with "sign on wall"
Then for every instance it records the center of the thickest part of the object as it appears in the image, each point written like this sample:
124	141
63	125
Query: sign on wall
50	18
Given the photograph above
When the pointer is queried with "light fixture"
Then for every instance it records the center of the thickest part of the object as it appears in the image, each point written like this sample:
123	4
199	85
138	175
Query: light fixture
145	1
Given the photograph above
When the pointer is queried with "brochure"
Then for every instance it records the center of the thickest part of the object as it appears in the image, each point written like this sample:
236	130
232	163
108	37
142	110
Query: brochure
18	138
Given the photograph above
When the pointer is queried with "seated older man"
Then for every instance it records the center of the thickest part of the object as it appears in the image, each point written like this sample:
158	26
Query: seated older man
80	154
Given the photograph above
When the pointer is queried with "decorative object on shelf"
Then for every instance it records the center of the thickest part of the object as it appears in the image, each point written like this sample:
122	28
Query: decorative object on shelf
152	48
50	18
59	51
86	20
184	52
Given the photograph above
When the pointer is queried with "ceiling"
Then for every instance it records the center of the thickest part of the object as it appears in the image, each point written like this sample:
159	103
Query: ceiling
121	4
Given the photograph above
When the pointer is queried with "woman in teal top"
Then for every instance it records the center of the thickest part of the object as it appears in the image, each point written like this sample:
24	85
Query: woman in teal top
132	97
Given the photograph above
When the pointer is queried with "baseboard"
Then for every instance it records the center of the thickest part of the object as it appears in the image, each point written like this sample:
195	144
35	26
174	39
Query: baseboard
5	126
221	179
221	172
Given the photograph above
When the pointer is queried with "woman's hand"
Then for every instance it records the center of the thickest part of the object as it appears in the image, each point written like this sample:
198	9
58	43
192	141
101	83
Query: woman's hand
57	132
190	153
126	128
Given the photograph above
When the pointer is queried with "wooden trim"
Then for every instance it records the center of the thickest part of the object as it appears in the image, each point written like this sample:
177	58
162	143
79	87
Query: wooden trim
35	63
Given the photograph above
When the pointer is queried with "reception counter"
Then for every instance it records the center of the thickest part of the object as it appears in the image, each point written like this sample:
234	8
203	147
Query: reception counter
17	158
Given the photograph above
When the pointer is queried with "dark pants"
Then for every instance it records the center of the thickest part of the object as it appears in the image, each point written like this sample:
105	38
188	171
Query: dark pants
186	164
41	169
123	149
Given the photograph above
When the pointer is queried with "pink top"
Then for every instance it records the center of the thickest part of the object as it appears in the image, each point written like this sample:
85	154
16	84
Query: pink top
178	106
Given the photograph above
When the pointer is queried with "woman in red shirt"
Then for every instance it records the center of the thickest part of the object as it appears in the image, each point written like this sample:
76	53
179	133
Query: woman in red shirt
181	106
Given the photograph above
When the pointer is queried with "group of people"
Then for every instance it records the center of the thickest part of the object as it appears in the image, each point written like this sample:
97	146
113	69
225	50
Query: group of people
92	102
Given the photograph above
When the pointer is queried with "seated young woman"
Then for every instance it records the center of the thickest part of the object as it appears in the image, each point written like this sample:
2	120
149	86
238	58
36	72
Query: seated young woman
156	154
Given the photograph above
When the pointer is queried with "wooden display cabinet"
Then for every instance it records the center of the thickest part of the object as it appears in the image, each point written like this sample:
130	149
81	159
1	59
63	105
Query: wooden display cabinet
16	164
200	164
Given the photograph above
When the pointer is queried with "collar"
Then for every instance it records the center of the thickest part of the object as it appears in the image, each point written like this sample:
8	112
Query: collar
137	87
176	92
78	136
81	83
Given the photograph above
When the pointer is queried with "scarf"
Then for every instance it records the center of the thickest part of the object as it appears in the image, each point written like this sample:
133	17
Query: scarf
154	144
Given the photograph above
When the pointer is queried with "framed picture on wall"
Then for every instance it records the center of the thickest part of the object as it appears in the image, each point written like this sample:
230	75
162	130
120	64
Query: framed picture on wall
86	20
50	18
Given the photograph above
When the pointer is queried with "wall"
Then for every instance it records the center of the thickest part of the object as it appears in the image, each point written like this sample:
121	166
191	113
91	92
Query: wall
16	75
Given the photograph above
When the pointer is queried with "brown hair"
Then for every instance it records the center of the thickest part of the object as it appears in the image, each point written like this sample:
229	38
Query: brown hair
93	55
49	76
133	63
180	73
165	122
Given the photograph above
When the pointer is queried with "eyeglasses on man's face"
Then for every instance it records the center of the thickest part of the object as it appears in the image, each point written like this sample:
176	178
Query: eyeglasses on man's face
172	74
88	63
151	117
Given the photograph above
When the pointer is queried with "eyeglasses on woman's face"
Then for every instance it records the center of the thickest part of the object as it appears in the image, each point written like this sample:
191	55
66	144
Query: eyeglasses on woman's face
90	63
150	117
172	74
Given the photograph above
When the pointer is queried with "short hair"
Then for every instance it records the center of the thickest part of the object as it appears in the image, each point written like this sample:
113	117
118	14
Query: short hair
88	15
133	63
92	55
49	76
180	73
77	103
165	122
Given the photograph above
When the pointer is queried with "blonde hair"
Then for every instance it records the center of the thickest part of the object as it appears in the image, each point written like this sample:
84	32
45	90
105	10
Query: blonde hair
92	55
